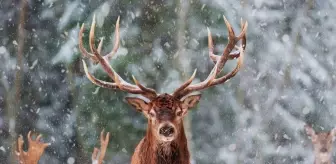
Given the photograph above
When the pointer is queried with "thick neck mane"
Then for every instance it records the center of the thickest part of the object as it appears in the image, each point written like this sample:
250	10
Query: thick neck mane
318	161
322	160
155	152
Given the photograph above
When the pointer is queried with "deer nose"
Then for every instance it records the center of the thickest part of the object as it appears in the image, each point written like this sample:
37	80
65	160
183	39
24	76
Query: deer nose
323	150
167	130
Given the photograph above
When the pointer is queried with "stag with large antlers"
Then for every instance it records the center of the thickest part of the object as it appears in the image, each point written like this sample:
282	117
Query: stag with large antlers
165	141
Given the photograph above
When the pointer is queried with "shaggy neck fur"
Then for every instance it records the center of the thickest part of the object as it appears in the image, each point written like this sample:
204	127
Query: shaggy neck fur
324	158
156	152
320	161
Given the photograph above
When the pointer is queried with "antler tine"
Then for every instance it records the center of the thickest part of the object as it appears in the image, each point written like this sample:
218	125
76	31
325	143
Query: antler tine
244	29
151	93
232	38
19	146
103	145
105	84
185	84
100	45
29	137
116	40
212	56
220	61
92	36
95	55
81	47
99	154
244	26
94	155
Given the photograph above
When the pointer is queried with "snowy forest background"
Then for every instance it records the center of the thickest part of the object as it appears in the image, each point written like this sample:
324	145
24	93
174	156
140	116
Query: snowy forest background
288	77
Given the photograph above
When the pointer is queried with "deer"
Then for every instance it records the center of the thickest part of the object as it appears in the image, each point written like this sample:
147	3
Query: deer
322	143
36	149
165	140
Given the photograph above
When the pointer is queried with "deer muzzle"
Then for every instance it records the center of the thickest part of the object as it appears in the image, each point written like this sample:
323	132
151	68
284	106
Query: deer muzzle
167	130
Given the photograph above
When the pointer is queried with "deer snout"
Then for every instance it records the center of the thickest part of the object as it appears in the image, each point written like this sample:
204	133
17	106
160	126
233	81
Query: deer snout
167	130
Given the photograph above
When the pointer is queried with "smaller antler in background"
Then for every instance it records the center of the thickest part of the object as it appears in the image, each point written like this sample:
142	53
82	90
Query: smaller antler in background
99	154
35	150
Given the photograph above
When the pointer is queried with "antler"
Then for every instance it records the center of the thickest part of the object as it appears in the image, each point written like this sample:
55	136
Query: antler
95	56
98	159
35	150
219	61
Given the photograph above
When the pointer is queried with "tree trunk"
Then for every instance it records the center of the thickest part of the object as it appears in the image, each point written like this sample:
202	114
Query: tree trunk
14	102
183	69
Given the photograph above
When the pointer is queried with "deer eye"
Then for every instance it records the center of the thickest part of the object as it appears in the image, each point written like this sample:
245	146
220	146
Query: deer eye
179	113
151	113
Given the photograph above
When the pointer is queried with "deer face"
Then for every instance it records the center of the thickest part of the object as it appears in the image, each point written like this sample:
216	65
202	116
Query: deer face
165	114
322	142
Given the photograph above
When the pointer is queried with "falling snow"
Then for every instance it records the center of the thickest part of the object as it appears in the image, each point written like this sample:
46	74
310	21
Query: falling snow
287	79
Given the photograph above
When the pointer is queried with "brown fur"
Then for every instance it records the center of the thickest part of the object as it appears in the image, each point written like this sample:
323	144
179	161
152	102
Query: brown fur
150	150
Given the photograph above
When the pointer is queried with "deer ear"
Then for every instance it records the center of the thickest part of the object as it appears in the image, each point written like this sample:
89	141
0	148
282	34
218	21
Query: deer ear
191	101
139	104
333	133
309	130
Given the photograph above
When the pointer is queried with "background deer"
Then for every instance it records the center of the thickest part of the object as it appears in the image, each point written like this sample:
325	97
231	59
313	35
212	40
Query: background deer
165	140
322	143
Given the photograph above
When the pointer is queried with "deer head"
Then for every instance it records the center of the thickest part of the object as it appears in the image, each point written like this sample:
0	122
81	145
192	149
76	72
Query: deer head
164	111
322	143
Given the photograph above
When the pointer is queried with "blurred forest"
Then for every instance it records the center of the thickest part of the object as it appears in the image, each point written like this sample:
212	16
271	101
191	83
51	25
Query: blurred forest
288	77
